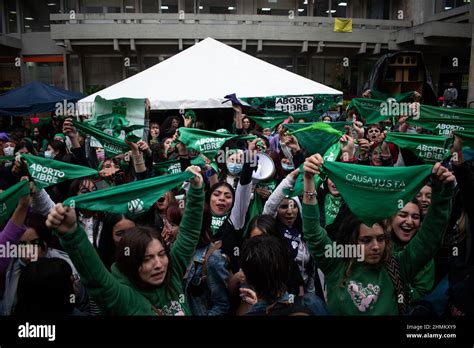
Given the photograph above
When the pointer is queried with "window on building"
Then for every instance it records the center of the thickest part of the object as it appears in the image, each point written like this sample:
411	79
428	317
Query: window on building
129	6
11	16
132	68
215	6
169	6
148	62
101	6
281	62
302	66
36	14
302	7
49	70
275	7
378	9
150	6
321	8
70	5
446	5
340	8
101	72
73	72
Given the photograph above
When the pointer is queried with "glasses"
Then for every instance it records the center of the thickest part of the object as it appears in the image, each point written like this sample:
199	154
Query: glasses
87	190
36	241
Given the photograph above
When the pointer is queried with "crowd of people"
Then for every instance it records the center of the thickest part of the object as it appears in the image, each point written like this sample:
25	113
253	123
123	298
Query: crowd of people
225	244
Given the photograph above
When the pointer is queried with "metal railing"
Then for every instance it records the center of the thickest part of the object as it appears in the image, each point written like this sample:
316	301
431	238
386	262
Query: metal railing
185	18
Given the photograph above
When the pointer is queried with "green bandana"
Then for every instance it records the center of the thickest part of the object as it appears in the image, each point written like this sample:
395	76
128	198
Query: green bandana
402	97
131	112
46	172
112	146
375	193
369	109
268	121
7	158
442	121
174	166
217	222
467	138
331	207
9	199
429	148
115	123
205	142
131	199
316	138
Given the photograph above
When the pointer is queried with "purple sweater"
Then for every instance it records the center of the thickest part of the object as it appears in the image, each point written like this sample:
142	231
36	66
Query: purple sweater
11	233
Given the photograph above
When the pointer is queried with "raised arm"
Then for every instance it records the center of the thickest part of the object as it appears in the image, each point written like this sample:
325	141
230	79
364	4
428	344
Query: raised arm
316	237
14	228
271	206
114	297
423	247
190	228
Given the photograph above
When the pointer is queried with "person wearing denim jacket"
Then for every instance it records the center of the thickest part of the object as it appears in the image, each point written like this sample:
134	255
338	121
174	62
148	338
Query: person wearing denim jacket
209	295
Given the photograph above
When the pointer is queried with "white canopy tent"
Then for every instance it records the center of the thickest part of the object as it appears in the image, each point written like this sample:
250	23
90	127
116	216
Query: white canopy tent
200	77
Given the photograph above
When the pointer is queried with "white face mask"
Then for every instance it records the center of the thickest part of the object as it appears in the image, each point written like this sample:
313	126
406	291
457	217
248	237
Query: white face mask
48	154
8	151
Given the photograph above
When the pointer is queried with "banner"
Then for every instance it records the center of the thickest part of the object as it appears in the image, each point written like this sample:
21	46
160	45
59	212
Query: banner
317	103
376	193
47	172
343	25
131	199
10	197
429	148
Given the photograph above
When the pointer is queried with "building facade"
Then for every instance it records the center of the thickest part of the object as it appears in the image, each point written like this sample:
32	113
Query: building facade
86	45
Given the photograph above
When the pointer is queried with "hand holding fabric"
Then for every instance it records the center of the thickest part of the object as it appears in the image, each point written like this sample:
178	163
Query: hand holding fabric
62	219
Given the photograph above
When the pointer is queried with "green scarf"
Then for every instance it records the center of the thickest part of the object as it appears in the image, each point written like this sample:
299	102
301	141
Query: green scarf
316	138
268	121
116	123
375	193
7	158
206	142
217	222
46	172
402	97
369	109
131	111
9	199
131	199
112	146
442	121
331	207
174	166
467	138
429	148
